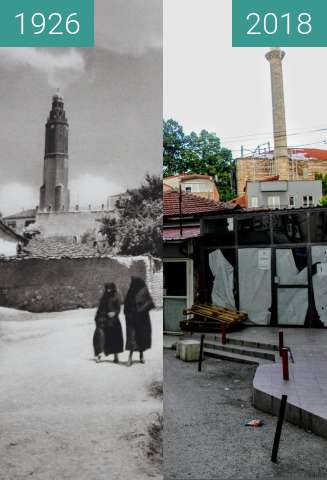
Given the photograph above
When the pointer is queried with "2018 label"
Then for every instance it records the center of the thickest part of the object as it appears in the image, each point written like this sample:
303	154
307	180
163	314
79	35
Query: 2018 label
271	23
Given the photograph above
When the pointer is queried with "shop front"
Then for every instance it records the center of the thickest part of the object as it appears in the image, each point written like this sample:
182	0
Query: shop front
270	264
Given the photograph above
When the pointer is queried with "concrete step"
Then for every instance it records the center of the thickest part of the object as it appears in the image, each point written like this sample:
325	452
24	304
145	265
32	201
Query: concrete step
241	350
245	343
234	357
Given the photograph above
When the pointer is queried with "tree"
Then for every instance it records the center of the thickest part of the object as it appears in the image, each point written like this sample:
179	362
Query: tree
197	153
109	228
137	230
323	178
174	144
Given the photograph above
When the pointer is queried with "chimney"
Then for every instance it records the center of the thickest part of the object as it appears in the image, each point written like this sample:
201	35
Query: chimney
275	57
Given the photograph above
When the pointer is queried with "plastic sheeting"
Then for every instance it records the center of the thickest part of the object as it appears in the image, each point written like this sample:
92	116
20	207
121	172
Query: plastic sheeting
319	280
292	302
255	284
222	291
287	270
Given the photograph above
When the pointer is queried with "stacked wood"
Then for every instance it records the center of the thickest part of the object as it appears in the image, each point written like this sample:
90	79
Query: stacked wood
211	318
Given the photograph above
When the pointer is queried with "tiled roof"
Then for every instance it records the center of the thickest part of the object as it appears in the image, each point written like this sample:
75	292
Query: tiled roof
189	176
313	153
271	178
241	201
10	232
50	248
191	204
176	234
23	214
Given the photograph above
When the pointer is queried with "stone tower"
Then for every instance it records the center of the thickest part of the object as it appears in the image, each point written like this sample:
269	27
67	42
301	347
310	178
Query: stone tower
275	57
54	193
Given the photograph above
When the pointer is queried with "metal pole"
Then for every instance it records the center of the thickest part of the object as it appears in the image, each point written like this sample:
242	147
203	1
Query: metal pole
201	354
180	211
223	335
285	363
279	428
281	342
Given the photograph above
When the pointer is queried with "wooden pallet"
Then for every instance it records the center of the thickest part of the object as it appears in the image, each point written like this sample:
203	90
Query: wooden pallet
211	318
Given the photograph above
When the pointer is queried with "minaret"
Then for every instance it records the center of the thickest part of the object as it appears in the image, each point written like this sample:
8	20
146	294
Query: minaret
54	193
275	57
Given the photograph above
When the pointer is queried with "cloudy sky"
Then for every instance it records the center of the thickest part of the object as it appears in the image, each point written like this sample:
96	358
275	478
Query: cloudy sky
113	100
208	84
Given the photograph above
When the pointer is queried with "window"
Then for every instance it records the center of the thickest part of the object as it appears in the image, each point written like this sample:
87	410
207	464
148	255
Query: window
196	187
29	222
219	231
254	230
290	228
12	224
174	274
254	202
307	201
318	226
274	202
291	201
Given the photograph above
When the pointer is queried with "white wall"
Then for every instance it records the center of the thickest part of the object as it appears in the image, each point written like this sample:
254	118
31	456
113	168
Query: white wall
7	247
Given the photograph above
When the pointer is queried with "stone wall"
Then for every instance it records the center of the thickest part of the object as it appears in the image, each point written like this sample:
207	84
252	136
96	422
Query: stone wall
47	285
69	224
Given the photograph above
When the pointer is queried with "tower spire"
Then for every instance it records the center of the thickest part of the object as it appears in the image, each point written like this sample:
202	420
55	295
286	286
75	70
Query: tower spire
54	193
275	57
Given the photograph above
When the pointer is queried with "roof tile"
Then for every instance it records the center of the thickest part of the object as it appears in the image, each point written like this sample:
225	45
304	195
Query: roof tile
191	204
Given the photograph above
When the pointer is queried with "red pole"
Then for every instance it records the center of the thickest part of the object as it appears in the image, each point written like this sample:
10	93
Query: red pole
281	342
223	336
285	363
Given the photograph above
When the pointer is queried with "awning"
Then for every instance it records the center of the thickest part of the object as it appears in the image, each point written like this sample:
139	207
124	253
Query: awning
175	233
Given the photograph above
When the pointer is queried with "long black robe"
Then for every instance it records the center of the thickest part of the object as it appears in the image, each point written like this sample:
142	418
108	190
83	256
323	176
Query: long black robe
137	306
108	335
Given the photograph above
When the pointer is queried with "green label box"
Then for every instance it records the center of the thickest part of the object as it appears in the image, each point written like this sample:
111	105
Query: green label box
279	23
47	23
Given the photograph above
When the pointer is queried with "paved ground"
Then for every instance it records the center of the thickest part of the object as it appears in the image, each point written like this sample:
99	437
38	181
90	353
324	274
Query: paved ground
62	416
204	432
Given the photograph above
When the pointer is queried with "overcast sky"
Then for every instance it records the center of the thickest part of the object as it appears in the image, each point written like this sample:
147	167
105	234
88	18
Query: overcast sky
113	100
210	85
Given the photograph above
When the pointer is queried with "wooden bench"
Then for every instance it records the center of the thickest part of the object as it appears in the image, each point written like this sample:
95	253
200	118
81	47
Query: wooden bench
211	319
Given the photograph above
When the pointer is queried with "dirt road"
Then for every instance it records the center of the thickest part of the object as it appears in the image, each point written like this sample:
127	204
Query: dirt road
62	416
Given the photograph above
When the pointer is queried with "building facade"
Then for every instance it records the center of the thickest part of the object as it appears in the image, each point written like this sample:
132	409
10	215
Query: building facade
19	221
181	228
303	164
200	185
283	194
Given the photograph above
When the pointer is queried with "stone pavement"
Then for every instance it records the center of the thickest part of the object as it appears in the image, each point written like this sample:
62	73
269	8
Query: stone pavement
307	385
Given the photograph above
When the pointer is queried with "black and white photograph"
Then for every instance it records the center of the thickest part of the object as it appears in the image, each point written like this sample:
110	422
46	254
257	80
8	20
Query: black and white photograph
80	253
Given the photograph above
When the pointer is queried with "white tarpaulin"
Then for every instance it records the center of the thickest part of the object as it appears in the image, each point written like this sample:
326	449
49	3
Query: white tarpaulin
255	283
223	286
319	280
292	302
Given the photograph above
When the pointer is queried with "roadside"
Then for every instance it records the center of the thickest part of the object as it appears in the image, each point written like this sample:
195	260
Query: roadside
62	415
205	436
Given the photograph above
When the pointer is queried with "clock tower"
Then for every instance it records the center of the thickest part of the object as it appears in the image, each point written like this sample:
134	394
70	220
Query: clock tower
54	193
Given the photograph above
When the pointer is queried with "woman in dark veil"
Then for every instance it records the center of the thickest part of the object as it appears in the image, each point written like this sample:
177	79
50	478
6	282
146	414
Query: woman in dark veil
108	335
138	304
